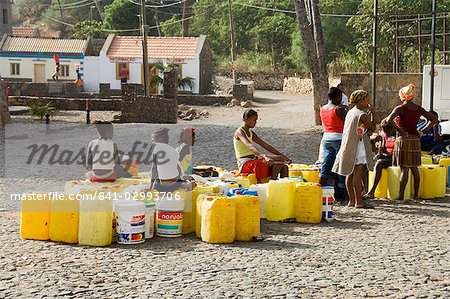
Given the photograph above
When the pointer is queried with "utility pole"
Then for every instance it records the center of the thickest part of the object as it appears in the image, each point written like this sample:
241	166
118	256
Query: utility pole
433	50
99	9
90	21
233	43
374	51
144	51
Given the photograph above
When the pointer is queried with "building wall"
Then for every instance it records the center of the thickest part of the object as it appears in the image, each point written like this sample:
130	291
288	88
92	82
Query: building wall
205	70
101	70
5	25
27	67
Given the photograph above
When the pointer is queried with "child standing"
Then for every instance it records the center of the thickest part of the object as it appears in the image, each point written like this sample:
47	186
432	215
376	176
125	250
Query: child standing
186	141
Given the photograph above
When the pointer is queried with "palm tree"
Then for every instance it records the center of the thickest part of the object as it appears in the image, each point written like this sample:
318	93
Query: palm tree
159	67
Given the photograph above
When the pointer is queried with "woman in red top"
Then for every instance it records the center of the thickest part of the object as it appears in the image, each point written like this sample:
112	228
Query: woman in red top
384	157
332	115
404	119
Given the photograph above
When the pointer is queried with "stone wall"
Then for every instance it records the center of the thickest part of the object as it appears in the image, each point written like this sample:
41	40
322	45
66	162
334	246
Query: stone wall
203	100
388	85
70	104
43	89
261	81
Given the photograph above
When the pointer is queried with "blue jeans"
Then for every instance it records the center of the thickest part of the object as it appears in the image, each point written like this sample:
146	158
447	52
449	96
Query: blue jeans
330	150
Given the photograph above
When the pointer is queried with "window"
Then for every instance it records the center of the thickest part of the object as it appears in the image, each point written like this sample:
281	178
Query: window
5	16
119	67
15	69
65	70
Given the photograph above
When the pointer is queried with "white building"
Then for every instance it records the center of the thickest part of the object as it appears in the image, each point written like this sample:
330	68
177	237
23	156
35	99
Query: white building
191	54
25	59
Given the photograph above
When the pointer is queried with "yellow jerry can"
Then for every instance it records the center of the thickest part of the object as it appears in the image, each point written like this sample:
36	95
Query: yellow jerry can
96	219
198	216
190	210
280	200
432	181
308	203
394	183
445	162
35	216
218	219
247	217
64	220
426	160
381	190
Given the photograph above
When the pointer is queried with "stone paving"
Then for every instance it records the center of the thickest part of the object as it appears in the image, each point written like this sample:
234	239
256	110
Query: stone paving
393	251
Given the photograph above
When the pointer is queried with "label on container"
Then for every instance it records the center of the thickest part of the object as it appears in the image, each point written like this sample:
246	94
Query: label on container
169	223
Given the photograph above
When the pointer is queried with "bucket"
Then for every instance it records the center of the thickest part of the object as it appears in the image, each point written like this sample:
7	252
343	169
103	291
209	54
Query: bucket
149	219
327	203
130	221
169	217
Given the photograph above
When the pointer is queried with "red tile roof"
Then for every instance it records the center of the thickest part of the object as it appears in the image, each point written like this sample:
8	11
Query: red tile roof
50	34
25	31
45	45
158	47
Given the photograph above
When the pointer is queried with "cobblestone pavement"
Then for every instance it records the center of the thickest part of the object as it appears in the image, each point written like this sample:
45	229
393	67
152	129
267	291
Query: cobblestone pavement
395	250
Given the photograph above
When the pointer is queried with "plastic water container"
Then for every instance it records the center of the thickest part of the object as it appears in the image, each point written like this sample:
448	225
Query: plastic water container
198	216
35	216
190	210
393	187
311	174
381	190
261	189
242	191
169	217
327	203
437	183
149	218
248	210
427	159
130	222
280	200
308	203
95	226
445	162
218	219
64	220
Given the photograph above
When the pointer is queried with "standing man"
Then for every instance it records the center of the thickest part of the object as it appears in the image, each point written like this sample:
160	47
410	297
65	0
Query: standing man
55	75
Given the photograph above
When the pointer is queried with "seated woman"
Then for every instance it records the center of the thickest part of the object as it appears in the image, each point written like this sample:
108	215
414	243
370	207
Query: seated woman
250	159
102	156
431	140
384	156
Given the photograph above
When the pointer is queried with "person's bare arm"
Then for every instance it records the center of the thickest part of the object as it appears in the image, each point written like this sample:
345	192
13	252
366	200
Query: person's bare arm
341	112
432	120
396	112
267	146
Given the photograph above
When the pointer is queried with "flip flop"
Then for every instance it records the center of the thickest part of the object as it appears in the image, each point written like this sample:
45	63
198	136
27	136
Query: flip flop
366	205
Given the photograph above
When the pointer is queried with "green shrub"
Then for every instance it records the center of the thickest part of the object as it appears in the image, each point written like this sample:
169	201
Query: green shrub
39	108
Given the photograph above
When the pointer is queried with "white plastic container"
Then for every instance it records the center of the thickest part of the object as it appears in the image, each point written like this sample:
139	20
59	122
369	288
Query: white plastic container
130	222
169	217
262	195
149	219
327	203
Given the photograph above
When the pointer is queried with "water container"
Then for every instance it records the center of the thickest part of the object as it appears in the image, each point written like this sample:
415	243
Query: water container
394	183
327	203
243	181
198	216
64	220
432	181
149	218
35	216
280	200
445	162
218	219
248	209
190	210
169	217
308	203
261	189
427	159
242	191
381	190
96	218
311	174
130	222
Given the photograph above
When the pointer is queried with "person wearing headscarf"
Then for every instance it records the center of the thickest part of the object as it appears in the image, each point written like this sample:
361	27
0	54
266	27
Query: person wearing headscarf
186	141
355	154
404	119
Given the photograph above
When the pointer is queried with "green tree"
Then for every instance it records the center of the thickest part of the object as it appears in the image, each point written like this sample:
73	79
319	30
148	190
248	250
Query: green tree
87	28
